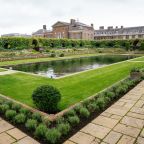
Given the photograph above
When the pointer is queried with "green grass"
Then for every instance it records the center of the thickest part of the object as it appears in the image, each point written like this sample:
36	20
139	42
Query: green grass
74	88
16	62
138	59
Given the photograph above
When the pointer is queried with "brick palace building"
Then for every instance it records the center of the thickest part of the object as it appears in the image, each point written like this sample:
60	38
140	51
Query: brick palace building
72	30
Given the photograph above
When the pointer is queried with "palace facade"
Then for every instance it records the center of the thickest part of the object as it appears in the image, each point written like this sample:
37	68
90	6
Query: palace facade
72	30
119	33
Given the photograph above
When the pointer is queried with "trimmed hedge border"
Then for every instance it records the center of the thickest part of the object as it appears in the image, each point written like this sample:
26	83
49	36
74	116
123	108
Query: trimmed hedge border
20	43
57	131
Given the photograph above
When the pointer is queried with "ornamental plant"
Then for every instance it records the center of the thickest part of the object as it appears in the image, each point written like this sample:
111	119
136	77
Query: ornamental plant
46	98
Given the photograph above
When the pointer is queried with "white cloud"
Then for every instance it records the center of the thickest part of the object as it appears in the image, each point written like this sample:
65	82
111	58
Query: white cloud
26	16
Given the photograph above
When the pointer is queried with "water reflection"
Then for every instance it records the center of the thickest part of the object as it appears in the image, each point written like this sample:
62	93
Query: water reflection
55	69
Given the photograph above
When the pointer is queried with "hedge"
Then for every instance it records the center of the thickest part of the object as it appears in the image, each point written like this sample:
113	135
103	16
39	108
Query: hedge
19	43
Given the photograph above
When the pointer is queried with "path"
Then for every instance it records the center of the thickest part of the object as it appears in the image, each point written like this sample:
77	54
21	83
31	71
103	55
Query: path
7	72
11	135
122	123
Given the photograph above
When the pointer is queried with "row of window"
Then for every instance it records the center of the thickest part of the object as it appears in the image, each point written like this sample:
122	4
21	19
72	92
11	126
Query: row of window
121	32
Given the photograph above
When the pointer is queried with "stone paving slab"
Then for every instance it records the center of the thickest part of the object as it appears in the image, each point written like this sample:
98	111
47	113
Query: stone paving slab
122	123
11	135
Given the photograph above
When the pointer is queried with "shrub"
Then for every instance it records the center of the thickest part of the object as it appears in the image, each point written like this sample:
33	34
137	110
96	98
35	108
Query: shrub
61	55
4	108
46	98
92	107
78	107
142	46
53	135
73	120
100	102
16	107
46	121
31	124
8	103
37	116
40	131
10	114
110	94
53	55
84	113
63	128
20	118
70	113
60	120
25	111
121	89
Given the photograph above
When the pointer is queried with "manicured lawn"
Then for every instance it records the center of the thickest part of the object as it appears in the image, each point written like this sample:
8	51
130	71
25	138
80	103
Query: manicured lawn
73	88
16	62
139	59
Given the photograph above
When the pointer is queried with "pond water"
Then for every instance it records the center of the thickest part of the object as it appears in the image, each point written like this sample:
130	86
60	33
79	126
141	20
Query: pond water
54	69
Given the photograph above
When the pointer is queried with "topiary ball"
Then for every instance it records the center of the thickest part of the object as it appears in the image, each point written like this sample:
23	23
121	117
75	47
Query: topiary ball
46	98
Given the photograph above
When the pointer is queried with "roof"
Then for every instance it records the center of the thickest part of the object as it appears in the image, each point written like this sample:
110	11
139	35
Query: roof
40	31
60	22
82	24
121	31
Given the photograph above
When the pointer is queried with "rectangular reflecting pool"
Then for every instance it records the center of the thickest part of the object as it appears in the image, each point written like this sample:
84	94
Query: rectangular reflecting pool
54	69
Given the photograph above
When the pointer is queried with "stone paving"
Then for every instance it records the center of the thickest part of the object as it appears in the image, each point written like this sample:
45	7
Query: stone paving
11	135
122	123
7	72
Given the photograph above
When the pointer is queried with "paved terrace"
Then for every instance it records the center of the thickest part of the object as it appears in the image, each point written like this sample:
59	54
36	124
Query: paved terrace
122	123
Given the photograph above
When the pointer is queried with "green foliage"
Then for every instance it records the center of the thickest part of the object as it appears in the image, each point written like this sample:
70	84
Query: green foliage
92	106
100	102
25	111
53	135
10	114
84	113
37	117
31	124
18	43
60	120
46	98
20	119
71	113
16	107
73	120
4	108
40	131
61	55
142	46
63	128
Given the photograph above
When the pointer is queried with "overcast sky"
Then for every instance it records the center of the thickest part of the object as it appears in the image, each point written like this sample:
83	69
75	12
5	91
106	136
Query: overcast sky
26	16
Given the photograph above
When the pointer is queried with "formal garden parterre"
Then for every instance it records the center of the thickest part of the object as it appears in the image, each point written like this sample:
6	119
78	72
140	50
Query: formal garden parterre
89	92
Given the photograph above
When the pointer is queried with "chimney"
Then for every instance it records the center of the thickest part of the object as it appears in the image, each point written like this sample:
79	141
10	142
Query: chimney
101	27
110	27
122	27
72	21
92	25
44	27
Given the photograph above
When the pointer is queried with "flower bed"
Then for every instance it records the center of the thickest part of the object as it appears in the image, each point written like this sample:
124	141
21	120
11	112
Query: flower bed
72	120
